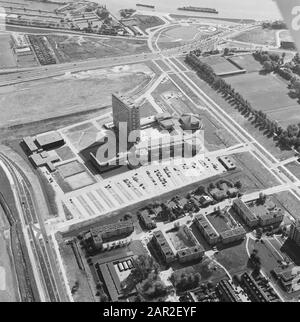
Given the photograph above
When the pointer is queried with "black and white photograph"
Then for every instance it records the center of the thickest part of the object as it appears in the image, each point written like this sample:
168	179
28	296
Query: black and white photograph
149	154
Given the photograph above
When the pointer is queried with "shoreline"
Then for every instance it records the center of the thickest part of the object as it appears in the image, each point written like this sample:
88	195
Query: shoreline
236	20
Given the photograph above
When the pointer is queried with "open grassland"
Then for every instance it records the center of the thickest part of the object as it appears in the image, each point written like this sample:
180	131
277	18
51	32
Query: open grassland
247	62
76	275
234	259
180	35
75	48
68	94
7	58
220	64
8	283
145	21
255	131
258	36
268	93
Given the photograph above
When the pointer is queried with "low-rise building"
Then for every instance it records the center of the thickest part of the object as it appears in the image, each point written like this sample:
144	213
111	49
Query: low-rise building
256	294
295	233
51	140
163	247
206	229
30	144
247	215
146	220
288	278
226	292
268	213
190	254
44	159
227	162
233	235
272	218
96	236
206	200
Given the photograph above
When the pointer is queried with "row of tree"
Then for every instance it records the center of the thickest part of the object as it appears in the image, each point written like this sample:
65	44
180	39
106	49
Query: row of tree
206	73
274	25
274	63
287	138
185	281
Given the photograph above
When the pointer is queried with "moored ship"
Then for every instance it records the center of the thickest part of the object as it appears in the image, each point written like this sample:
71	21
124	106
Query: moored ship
145	5
199	9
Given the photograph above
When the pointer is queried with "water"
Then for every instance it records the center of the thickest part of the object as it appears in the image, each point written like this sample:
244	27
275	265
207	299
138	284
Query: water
247	9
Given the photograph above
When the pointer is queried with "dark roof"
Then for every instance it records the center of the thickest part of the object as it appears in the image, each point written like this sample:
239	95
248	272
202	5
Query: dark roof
244	208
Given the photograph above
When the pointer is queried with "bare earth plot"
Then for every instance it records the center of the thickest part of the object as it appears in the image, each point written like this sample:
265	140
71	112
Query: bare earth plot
269	94
74	48
7	58
69	93
258	36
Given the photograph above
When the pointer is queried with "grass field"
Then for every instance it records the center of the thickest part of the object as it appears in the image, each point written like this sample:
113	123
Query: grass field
75	48
65	153
7	58
74	274
247	62
207	270
289	202
259	135
220	64
269	94
80	180
145	21
67	94
218	222
179	35
234	259
70	169
146	109
180	239
294	167
258	36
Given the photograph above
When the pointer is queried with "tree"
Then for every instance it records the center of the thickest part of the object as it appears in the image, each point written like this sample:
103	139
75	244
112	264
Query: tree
127	216
238	185
226	51
293	130
268	66
104	298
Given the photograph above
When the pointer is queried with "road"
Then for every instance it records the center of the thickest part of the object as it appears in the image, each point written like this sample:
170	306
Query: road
258	151
44	266
16	76
46	271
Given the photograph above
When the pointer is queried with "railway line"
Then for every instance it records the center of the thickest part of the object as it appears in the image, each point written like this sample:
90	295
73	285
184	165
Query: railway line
42	256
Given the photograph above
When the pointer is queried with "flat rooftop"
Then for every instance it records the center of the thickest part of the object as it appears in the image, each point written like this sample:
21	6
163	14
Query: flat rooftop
49	138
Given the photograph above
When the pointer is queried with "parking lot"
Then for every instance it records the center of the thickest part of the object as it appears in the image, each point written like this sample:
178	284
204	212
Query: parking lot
138	185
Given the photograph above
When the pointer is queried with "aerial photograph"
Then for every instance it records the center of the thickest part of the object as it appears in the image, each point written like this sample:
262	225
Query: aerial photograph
149	152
